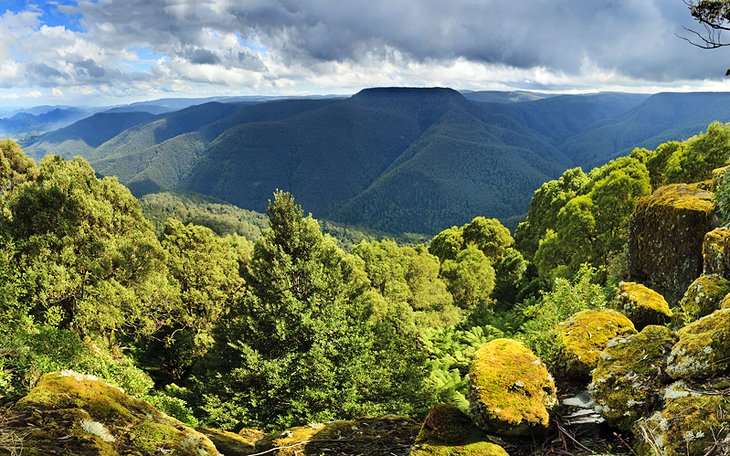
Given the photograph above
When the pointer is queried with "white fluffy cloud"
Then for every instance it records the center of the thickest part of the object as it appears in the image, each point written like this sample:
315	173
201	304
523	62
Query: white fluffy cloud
131	48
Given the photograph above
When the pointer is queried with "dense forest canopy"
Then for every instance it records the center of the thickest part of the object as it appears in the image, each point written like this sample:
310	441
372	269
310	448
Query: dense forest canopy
271	323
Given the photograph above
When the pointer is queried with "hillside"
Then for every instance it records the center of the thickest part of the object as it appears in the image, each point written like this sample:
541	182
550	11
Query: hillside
391	159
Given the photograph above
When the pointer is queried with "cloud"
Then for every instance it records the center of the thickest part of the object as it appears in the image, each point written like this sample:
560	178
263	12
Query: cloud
283	46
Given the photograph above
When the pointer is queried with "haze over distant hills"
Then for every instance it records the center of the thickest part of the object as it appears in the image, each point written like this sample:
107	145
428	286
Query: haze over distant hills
391	159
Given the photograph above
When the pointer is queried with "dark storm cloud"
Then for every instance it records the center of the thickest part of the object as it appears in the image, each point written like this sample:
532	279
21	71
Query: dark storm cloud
634	37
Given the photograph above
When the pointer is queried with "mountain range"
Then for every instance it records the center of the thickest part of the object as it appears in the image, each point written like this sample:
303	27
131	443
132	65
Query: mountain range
390	159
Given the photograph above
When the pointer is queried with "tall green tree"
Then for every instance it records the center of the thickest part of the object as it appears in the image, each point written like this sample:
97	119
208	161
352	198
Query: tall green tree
90	260
304	345
469	278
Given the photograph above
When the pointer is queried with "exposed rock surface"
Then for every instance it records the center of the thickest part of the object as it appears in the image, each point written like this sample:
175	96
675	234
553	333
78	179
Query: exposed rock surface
703	349
586	334
642	305
630	374
703	297
71	413
667	231
510	389
449	431
716	252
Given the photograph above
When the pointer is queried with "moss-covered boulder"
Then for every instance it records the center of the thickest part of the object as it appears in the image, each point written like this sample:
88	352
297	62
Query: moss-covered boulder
470	449
232	444
510	390
703	348
666	235
716	252
703	297
586	334
71	413
725	303
642	305
384	436
630	374
449	431
693	422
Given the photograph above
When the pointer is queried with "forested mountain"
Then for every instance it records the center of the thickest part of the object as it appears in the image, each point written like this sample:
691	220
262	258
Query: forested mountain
392	159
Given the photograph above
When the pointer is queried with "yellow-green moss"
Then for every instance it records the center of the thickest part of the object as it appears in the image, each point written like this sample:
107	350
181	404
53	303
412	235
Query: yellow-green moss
472	449
62	402
703	349
642	305
693	197
666	235
361	436
231	444
725	303
691	424
630	374
446	424
703	297
716	252
510	389
586	334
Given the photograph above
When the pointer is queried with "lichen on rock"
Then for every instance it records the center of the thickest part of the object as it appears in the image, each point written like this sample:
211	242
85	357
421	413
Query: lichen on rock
70	413
716	252
630	374
693	422
642	305
510	390
703	348
585	335
703	297
667	231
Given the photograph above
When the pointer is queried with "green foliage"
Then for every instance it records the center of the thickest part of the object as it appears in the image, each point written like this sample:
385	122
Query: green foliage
29	351
592	226
447	244
83	243
205	282
409	275
15	166
302	346
509	277
722	196
469	278
489	236
565	299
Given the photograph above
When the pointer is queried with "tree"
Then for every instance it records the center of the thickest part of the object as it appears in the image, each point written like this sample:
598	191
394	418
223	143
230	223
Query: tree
15	166
204	270
470	277
304	345
90	260
714	16
489	236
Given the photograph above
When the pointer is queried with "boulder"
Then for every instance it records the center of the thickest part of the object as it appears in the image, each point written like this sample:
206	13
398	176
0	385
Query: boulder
510	390
667	231
234	444
703	348
716	252
703	297
449	431
694	421
586	334
642	305
383	436
630	374
72	413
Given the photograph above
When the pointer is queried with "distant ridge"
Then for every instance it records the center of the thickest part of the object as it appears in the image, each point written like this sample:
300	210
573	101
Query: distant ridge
393	159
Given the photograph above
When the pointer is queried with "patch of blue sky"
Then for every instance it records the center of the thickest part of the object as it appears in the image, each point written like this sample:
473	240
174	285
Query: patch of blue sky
146	59
251	44
53	12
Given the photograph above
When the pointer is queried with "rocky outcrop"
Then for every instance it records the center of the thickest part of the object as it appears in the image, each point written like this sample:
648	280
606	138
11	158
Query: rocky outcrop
695	421
667	231
449	431
716	252
642	305
630	374
510	390
72	413
586	334
703	348
703	297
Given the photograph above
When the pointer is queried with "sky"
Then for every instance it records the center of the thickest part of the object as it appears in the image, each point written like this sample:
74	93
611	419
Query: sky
101	52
